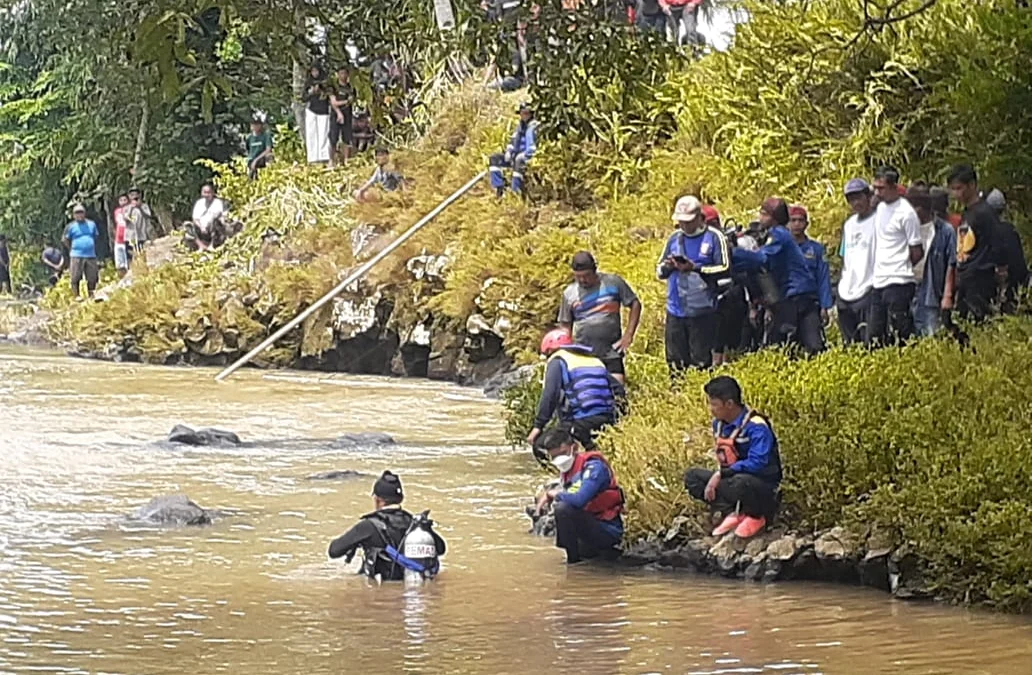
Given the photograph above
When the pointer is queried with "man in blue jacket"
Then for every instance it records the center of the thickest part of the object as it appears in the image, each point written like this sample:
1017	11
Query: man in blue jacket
517	155
816	314
694	259
744	488
795	285
588	503
578	389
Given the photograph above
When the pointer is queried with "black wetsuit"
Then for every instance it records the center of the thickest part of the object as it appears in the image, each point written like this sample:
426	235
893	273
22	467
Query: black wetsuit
373	533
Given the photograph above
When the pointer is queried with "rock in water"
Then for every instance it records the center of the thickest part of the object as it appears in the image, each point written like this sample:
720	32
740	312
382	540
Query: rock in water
365	438
543	524
173	510
205	437
337	474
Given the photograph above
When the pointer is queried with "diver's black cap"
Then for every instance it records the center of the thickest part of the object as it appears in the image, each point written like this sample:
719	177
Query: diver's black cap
388	488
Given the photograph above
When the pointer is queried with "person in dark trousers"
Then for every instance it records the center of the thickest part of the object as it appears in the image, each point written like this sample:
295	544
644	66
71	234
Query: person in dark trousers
856	284
54	260
793	304
590	310
813	252
744	487
693	261
732	302
578	389
652	16
589	502
342	102
386	526
937	272
259	148
981	258
5	266
898	247
1014	253
518	153
80	237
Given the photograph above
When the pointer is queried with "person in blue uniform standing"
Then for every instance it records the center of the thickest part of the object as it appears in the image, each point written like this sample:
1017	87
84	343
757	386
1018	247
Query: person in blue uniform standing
518	153
589	502
795	312
578	389
744	487
817	262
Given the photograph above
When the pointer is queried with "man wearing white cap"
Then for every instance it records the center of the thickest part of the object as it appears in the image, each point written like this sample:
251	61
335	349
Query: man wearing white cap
80	236
694	259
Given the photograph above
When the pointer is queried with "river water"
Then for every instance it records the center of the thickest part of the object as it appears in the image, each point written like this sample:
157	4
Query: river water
83	591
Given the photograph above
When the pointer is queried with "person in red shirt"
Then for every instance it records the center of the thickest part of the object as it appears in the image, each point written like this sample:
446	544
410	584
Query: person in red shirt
122	255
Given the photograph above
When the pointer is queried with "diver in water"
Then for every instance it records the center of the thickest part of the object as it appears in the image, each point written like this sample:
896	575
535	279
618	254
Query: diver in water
395	544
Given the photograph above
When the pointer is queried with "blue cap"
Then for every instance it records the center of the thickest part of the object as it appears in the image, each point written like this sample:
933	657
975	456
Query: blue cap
856	185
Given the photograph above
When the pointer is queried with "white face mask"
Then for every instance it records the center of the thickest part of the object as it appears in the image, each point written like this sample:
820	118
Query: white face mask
563	462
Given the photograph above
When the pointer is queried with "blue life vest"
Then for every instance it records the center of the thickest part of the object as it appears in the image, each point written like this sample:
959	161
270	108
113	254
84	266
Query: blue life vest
586	388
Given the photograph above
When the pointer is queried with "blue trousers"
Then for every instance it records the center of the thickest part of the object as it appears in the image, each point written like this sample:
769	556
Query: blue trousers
519	168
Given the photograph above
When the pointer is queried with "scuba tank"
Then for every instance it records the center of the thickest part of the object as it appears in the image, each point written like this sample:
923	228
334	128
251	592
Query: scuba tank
419	547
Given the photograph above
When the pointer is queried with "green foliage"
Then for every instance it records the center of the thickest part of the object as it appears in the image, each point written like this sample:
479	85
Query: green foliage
928	443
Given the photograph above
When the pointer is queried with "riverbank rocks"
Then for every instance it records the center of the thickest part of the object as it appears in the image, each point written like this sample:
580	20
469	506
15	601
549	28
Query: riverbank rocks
364	438
173	510
840	555
184	435
542	523
496	386
337	474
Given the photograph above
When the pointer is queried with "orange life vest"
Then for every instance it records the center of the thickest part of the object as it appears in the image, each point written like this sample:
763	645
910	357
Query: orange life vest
726	450
608	503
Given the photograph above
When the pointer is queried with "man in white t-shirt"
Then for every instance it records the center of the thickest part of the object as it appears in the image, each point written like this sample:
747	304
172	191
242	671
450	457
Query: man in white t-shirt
855	287
207	217
897	248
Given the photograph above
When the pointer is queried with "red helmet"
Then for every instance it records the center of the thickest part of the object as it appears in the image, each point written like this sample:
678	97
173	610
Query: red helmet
555	339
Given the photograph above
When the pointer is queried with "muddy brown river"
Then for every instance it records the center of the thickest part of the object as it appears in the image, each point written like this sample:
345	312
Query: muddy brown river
82	591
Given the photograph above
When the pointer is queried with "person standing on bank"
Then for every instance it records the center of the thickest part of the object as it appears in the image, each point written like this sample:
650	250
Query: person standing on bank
981	260
856	284
936	273
5	266
744	488
381	534
793	304
317	117
1013	251
342	102
259	148
897	248
694	259
578	390
589	502
590	310
80	237
54	261
813	252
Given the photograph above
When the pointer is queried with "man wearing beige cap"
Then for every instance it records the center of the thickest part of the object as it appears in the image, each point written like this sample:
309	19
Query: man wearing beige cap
80	237
694	259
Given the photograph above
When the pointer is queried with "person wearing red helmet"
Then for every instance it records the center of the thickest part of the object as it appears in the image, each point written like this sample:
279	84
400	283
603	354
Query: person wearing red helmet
578	390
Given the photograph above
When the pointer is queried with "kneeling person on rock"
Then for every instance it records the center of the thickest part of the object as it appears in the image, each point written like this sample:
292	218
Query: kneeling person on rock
745	486
578	389
383	535
589	502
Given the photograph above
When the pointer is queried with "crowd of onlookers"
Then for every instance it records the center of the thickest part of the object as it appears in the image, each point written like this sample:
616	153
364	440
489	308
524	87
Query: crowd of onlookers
908	266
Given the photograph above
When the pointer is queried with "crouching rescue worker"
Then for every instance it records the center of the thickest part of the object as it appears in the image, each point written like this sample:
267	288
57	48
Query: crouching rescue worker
578	389
589	502
744	488
517	154
395	544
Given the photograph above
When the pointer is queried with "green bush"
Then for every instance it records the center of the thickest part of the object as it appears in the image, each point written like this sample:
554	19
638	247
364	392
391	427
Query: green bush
928	443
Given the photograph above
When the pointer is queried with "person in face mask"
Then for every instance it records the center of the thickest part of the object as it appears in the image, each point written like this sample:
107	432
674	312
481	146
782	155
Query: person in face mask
589	502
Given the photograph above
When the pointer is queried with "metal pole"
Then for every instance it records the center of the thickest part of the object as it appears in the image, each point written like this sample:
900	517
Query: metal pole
351	278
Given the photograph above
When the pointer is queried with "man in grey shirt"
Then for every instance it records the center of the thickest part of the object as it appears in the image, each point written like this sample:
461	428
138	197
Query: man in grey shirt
591	309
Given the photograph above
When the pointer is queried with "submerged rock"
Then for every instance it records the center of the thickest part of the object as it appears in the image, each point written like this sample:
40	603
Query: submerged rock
202	437
173	510
365	438
337	474
542	523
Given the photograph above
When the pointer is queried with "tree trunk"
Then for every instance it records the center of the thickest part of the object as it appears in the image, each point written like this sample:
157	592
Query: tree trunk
299	73
141	140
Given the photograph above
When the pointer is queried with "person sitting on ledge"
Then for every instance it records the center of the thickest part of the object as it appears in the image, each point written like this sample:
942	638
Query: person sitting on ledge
744	488
589	502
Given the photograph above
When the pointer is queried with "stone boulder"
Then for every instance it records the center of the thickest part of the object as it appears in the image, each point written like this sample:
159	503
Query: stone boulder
173	510
496	386
207	437
543	522
365	438
337	474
